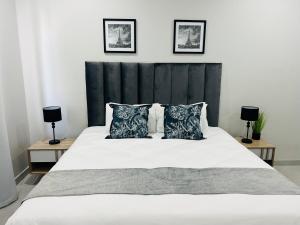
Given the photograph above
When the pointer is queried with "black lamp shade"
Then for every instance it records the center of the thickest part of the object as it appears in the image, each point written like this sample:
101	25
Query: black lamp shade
249	113
52	113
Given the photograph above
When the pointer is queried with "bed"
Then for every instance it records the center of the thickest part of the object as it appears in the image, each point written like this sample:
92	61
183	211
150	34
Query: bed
91	151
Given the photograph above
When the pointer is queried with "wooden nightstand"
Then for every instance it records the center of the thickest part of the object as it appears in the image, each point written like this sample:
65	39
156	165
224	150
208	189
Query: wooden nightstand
44	167
265	149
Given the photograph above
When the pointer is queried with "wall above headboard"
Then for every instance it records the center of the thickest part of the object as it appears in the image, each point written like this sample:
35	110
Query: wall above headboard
140	83
258	46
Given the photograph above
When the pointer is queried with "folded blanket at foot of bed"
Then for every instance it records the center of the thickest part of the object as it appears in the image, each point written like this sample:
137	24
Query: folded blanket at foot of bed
164	180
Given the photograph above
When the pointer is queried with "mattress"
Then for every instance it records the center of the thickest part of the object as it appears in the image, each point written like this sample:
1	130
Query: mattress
92	151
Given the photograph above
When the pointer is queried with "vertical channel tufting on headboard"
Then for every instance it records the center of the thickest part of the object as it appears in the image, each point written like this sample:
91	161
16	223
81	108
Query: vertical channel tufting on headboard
95	95
212	92
146	83
166	83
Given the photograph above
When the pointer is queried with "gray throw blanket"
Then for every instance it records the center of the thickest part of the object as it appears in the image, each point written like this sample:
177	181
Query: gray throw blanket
166	180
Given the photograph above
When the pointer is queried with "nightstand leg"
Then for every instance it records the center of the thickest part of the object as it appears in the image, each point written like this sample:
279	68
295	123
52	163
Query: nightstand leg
273	156
267	155
261	153
29	160
56	156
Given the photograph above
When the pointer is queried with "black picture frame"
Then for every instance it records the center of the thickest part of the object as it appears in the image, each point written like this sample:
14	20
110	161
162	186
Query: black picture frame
118	46
189	47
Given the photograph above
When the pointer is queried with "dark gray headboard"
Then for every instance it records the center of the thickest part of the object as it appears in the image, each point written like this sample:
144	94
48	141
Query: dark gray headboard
166	83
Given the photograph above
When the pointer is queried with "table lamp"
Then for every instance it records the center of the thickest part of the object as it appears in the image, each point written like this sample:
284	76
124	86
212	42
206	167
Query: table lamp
52	114
249	113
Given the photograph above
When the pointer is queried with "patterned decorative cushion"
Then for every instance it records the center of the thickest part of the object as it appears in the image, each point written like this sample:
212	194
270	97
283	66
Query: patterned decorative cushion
129	121
182	122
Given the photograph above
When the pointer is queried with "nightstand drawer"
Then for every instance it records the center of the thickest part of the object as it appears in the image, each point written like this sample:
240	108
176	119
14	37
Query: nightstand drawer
42	156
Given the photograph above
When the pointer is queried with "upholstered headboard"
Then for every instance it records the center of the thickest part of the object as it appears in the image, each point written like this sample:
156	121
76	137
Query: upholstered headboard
138	83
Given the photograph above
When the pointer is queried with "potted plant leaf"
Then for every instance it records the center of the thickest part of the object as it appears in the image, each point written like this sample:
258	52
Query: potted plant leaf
258	126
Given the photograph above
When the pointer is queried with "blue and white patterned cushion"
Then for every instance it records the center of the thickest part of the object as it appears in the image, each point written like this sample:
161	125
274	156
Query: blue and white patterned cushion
182	122
129	121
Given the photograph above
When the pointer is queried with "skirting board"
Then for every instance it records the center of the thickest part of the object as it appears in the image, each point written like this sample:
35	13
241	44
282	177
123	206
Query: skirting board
287	163
9	201
21	175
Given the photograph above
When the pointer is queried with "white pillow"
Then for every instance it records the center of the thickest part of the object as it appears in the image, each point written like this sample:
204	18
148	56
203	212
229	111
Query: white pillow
151	118
203	120
160	118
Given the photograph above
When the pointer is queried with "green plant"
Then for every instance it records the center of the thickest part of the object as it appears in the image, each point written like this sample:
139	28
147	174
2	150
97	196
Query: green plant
259	124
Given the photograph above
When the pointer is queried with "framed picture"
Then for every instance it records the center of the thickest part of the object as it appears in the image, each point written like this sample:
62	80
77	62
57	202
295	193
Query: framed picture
189	36
119	35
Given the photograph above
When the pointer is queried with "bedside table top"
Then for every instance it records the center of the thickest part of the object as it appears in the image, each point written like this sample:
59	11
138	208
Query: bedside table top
44	145
255	144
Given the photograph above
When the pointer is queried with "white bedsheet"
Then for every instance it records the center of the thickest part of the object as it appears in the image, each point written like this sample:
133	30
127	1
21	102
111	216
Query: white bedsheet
92	151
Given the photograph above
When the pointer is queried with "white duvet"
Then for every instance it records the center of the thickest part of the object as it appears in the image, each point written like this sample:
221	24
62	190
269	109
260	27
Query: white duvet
92	151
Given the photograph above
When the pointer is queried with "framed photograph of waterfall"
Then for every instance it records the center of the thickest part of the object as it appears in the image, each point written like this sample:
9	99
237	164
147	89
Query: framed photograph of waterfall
119	35
189	36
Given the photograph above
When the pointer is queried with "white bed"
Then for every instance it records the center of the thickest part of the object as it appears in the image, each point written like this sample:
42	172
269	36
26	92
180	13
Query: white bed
92	151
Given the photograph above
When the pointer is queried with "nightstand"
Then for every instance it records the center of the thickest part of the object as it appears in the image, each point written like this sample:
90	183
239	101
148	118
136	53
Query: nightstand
265	149
44	167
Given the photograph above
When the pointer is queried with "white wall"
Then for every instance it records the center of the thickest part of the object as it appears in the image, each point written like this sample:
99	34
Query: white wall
12	88
256	40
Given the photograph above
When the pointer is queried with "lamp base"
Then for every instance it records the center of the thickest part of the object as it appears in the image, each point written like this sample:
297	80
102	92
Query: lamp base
54	142
247	140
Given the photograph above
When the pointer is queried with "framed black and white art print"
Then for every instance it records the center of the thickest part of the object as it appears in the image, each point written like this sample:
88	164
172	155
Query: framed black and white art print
119	35
189	36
